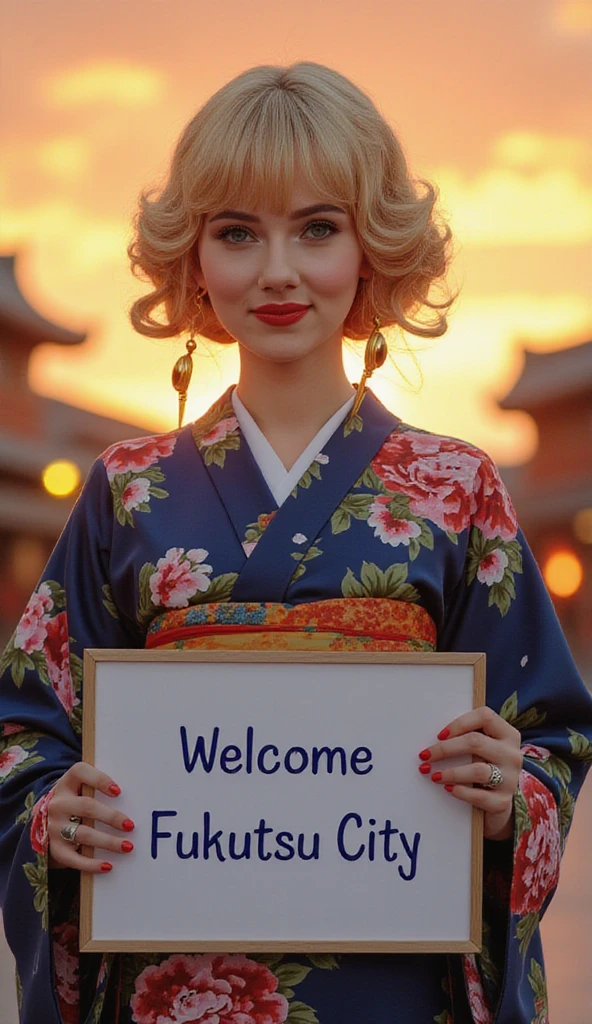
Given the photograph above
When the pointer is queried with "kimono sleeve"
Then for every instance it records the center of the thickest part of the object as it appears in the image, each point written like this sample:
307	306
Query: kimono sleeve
40	722
501	606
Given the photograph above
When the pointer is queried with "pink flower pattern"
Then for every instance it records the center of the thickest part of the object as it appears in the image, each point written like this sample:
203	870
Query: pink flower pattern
39	824
178	577
32	629
136	493
535	753
479	1009
57	654
10	758
492	567
138	454
220	432
10	728
65	956
390	529
538	853
449	482
208	988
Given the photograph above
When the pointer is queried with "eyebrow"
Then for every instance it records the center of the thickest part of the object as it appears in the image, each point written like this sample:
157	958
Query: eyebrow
306	212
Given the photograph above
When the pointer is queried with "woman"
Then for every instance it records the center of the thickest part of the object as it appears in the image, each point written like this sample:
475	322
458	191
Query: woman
298	512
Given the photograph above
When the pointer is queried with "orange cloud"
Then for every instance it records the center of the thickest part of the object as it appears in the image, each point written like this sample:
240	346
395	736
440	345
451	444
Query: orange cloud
535	193
572	17
103	81
65	158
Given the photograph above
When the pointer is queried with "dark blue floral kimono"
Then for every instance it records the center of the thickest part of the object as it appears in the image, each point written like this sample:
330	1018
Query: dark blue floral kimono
394	538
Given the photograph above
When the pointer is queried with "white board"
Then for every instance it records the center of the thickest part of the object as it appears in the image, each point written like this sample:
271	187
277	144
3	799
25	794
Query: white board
387	860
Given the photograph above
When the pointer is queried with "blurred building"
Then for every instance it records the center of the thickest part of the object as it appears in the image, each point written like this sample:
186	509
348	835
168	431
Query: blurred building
553	492
37	433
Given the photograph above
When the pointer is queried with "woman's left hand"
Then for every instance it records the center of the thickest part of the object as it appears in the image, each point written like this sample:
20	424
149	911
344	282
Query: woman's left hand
483	733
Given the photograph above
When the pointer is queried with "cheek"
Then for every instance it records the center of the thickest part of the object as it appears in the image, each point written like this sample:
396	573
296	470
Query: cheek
339	274
224	277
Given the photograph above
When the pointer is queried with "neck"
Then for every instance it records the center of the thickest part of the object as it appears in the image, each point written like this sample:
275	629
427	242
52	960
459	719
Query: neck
290	402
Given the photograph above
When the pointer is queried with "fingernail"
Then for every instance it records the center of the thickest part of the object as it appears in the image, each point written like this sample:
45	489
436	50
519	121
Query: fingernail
127	825
444	734
126	846
425	769
425	755
106	866
436	777
114	789
449	789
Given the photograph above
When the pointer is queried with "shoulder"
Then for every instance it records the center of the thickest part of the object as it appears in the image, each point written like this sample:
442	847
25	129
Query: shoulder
410	449
138	454
453	482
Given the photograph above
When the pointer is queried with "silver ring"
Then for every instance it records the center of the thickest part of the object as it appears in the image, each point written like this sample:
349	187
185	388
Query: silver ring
74	817
68	832
495	777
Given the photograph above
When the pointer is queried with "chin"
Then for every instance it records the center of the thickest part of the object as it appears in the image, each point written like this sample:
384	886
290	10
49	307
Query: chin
281	350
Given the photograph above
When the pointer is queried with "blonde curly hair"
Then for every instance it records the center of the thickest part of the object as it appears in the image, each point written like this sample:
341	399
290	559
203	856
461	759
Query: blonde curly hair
246	141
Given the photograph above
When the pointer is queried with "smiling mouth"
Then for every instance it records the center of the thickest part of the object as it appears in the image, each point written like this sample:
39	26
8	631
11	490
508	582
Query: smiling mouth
287	310
278	319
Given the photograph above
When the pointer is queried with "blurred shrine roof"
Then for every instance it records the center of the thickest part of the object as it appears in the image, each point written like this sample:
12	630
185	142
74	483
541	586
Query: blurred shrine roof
36	430
549	376
17	315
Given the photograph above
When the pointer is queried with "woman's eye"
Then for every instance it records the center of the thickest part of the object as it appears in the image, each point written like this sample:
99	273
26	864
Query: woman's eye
327	226
227	231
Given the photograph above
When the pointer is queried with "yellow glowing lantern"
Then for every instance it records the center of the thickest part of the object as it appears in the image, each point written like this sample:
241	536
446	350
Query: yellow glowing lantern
563	573
582	525
61	478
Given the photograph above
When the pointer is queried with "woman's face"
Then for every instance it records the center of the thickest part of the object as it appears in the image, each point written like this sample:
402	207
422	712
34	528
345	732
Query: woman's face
314	259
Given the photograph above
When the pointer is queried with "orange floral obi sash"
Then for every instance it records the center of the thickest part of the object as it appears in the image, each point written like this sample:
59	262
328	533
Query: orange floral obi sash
338	624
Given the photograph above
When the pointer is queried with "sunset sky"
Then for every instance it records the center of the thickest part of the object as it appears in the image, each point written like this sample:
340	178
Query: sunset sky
491	100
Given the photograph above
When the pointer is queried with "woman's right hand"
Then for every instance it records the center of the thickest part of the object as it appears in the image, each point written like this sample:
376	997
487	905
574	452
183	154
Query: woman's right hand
68	802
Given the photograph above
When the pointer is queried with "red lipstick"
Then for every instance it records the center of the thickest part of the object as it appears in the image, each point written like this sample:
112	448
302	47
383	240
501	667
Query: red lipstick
280	307
280	314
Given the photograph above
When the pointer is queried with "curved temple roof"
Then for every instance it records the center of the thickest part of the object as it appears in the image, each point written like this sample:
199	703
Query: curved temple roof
17	315
550	375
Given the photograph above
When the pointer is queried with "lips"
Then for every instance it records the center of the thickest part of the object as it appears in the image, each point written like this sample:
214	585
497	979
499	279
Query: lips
281	319
281	309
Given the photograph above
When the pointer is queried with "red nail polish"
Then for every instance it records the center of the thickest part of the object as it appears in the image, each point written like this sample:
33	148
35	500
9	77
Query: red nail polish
126	846
127	825
444	734
425	755
106	866
425	769
114	789
449	789
437	776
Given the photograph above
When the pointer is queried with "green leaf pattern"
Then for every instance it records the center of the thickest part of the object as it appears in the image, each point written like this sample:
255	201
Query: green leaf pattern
536	980
373	582
217	432
494	562
36	873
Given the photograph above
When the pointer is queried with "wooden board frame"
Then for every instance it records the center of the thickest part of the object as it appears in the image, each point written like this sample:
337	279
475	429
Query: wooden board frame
90	944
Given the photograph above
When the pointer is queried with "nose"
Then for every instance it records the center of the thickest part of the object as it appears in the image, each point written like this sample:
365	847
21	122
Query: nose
277	268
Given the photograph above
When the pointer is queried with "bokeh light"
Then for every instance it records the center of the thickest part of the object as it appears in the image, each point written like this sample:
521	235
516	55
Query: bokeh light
582	525
61	478
563	573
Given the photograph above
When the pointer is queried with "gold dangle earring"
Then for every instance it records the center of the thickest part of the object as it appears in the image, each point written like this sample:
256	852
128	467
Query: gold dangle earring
183	368
374	356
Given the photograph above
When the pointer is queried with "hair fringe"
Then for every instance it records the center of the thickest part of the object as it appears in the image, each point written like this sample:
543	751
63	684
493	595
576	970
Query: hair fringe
271	118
